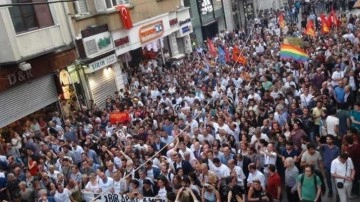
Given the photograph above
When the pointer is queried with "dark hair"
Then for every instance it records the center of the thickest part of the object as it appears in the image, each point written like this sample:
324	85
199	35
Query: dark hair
331	137
349	139
216	160
312	168
310	145
135	182
289	142
344	156
171	196
272	168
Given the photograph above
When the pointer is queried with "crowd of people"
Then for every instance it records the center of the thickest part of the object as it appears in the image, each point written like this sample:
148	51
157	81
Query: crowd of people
207	128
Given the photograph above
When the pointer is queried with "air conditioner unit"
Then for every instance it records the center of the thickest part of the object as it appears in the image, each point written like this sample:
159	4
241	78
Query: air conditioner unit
24	66
100	5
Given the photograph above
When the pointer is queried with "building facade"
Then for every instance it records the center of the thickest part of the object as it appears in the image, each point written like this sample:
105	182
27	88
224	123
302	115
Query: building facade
107	44
36	44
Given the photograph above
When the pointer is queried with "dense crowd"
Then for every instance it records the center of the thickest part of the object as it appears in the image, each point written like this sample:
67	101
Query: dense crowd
207	128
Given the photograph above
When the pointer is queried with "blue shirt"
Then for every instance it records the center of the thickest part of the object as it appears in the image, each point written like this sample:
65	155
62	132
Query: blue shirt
224	159
168	128
329	154
339	94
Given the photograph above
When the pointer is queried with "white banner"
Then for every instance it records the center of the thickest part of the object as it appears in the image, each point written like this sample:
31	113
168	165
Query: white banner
109	197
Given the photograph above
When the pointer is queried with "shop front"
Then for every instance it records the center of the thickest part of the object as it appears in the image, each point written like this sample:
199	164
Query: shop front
35	89
95	70
159	34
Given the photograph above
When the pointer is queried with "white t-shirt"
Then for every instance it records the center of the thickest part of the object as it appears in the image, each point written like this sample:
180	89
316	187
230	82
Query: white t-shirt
336	75
257	175
343	169
331	122
63	197
222	171
105	186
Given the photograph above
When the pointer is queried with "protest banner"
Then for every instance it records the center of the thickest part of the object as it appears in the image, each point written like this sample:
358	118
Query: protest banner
109	197
120	117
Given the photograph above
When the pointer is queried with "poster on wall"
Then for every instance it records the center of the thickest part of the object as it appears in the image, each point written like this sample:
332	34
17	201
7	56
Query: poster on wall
109	197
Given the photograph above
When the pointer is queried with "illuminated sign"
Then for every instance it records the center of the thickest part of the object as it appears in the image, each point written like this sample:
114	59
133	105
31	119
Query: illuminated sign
151	31
205	6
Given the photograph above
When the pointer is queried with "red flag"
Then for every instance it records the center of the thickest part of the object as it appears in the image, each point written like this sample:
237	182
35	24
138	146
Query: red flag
211	47
334	19
238	57
125	16
310	30
325	28
282	20
235	54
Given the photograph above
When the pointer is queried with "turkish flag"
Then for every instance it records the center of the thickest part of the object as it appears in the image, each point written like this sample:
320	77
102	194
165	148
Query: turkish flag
125	16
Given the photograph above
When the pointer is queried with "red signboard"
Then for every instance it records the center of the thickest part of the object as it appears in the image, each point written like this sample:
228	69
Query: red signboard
125	16
119	117
173	22
121	41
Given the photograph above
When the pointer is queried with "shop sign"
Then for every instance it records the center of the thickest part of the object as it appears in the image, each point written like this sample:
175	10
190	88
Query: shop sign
19	76
40	66
151	31
103	62
186	29
120	117
122	42
173	22
205	6
97	44
184	22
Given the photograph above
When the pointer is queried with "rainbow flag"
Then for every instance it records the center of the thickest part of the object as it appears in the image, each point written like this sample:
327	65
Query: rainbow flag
292	52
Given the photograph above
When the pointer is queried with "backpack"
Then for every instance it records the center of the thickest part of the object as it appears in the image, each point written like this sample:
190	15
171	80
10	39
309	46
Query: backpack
315	182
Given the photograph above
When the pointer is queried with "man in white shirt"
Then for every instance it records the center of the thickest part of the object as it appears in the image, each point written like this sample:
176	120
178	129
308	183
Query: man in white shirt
332	122
337	76
255	174
239	172
105	183
342	169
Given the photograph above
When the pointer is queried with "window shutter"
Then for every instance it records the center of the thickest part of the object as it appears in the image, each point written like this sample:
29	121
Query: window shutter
81	7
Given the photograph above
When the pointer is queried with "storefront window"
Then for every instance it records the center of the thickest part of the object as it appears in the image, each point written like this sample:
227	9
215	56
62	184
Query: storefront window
217	4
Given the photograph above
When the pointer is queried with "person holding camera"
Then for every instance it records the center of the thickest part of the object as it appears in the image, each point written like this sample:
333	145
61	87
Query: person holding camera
342	169
210	194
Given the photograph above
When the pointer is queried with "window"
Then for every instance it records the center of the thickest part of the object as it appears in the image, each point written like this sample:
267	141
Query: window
30	17
112	3
81	7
